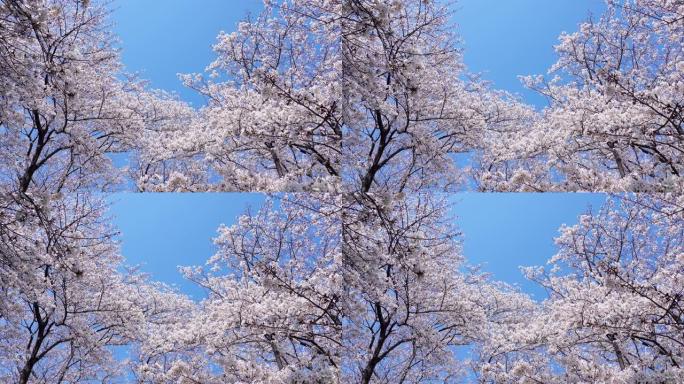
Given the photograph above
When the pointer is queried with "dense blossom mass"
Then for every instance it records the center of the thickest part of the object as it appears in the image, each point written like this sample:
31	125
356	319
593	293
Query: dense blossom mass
615	119
410	110
615	308
273	118
362	113
274	306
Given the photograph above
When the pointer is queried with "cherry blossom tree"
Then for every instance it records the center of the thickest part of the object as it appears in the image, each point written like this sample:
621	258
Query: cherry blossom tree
410	109
414	304
614	312
63	101
273	116
615	117
274	306
65	302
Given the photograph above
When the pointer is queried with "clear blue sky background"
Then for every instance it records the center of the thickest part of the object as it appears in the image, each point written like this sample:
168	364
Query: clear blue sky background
162	231
161	38
505	231
502	40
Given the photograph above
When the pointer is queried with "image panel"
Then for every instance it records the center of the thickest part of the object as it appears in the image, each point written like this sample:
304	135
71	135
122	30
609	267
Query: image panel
200	287
417	117
508	288
369	288
259	111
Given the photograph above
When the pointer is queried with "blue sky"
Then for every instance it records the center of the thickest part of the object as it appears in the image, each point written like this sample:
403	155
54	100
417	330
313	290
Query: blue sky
161	38
504	231
502	40
161	231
